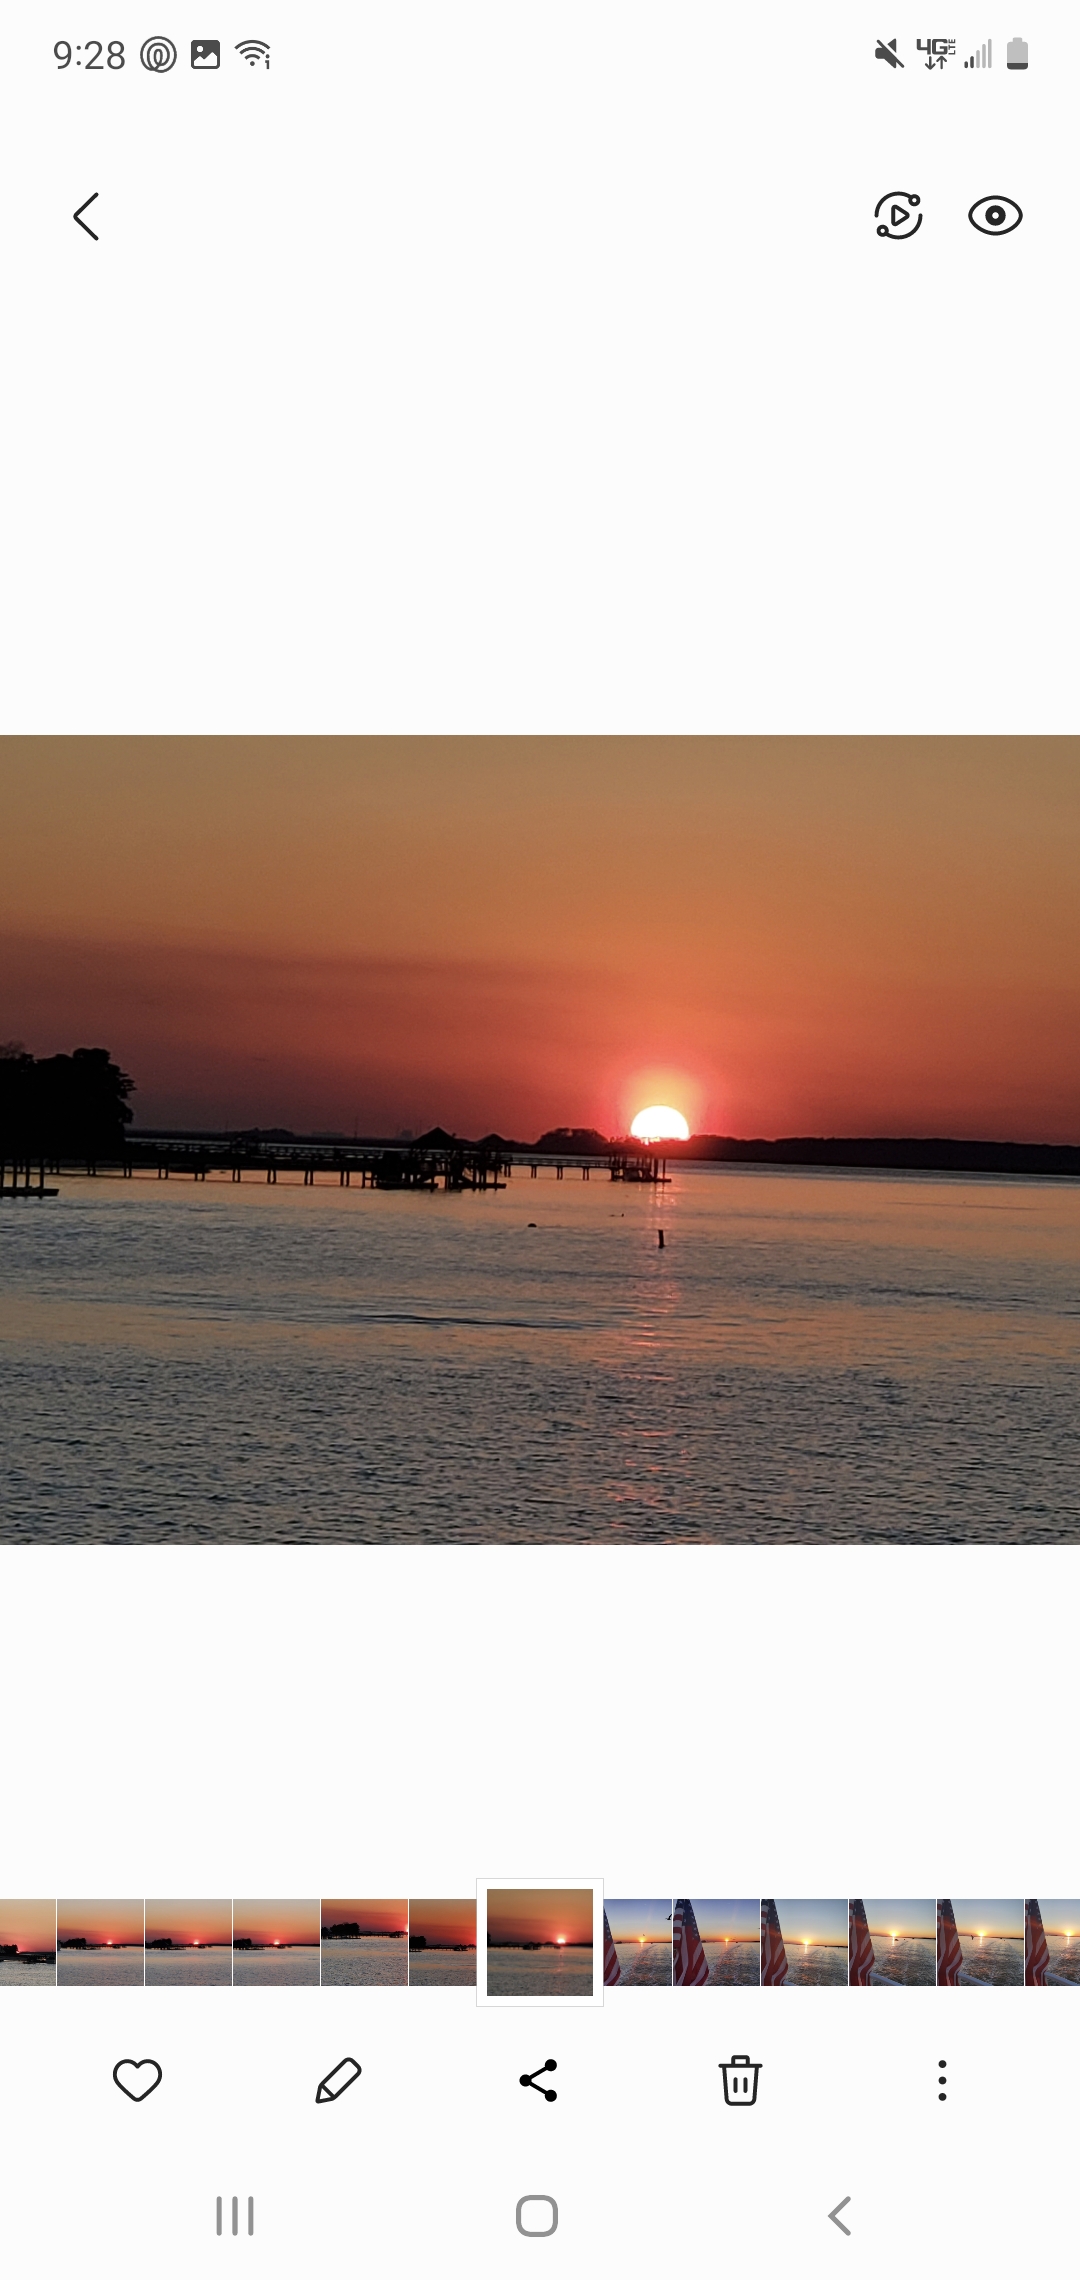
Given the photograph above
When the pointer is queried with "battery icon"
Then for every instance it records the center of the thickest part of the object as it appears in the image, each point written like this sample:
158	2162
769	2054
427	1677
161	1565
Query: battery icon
1017	55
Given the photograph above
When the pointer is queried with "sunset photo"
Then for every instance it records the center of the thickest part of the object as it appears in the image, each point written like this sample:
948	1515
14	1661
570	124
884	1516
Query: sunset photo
427	1092
99	1943
980	1943
27	1943
540	1943
641	1936
891	1943
717	1943
365	1943
189	1943
442	1943
275	1943
804	1943
1052	1943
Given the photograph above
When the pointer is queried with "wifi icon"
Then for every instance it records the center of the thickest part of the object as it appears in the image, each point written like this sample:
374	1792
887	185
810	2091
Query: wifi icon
254	51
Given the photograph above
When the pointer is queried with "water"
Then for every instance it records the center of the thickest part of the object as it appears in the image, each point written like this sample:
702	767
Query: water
99	1967
734	1963
817	1966
373	1960
811	1358
539	1971
276	1967
999	1962
189	1967
912	1962
442	1967
16	1974
648	1966
1064	1955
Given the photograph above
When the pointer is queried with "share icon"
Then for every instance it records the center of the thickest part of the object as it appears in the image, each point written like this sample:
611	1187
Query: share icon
529	2081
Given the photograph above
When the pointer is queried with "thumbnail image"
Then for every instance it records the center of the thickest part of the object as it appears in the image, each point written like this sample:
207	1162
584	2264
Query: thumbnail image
442	1943
27	1943
189	1943
980	1943
99	1943
891	1943
717	1943
275	1943
1052	1943
540	1943
639	1932
804	1943
365	1943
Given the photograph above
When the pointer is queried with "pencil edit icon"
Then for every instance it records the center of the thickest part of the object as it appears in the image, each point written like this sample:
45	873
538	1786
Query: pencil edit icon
340	2078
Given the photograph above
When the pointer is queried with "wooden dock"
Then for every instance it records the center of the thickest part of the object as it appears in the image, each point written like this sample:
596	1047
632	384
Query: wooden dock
437	1160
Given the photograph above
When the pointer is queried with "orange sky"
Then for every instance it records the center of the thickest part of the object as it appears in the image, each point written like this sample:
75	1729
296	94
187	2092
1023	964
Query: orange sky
209	1922
854	936
29	1925
100	1921
444	1923
541	1915
371	1915
294	1922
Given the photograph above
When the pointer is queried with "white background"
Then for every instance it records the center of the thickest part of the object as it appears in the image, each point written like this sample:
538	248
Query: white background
494	366
724	1720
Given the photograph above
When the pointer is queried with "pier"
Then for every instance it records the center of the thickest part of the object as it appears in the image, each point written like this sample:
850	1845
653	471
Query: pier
437	1160
26	1184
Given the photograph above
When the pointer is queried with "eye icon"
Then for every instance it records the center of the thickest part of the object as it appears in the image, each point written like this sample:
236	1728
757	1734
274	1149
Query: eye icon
995	217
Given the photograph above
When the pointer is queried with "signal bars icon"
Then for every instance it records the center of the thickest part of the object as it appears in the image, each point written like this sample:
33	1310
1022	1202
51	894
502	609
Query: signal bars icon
254	51
982	59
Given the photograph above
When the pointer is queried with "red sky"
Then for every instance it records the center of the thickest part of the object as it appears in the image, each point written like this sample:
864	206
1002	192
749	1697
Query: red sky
100	1921
541	1915
444	1923
29	1925
371	1915
294	1922
780	937
186	1921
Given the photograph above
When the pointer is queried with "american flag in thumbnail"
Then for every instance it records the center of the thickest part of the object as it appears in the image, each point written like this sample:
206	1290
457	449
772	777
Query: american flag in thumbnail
774	1962
691	1961
950	1957
1036	1952
860	1945
612	1968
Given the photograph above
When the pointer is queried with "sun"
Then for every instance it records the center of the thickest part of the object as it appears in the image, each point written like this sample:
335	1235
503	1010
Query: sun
660	1124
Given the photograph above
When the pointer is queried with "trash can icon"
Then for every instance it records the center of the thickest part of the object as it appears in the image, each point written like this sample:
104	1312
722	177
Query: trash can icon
740	2081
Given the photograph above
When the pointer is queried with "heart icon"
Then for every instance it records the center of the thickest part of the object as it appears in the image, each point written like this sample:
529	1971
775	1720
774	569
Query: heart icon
136	2077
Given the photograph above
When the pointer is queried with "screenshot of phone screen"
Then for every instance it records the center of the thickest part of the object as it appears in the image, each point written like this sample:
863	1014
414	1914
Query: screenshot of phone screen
539	1139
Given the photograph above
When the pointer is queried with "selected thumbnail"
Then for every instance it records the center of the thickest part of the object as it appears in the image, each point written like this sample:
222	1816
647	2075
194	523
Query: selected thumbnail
540	1942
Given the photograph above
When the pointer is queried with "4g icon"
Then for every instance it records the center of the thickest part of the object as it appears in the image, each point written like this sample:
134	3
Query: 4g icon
937	52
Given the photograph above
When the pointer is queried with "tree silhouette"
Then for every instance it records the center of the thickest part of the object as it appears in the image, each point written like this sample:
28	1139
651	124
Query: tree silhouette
71	1106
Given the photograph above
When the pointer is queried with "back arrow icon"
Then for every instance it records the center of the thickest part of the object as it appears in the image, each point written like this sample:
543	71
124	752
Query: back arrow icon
834	2216
78	217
